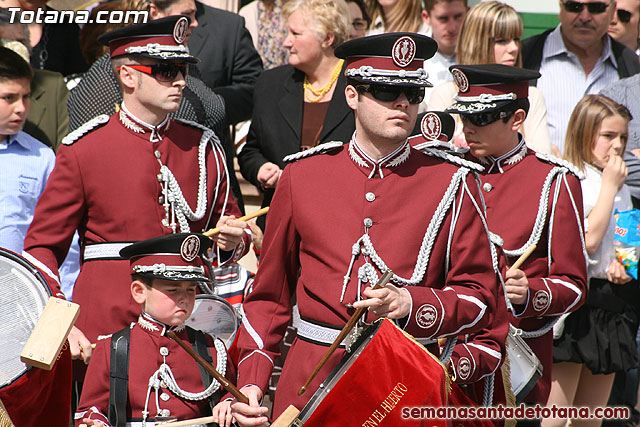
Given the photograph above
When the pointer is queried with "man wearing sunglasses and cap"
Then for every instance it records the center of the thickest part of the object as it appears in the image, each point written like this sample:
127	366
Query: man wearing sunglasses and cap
344	213
492	101
576	58
133	176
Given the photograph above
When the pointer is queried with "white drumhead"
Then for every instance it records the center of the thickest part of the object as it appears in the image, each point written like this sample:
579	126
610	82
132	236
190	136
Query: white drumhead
22	300
215	316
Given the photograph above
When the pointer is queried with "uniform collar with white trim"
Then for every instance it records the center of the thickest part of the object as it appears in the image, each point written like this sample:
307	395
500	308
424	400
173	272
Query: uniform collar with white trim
511	157
155	327
386	164
138	126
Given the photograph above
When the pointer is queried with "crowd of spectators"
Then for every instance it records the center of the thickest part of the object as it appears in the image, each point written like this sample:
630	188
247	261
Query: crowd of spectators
272	63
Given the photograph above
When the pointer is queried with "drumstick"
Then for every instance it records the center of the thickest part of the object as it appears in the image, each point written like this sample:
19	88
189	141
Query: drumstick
191	422
255	214
523	257
343	333
240	397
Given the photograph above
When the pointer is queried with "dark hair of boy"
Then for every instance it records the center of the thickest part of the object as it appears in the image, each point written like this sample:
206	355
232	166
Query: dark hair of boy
429	4
13	67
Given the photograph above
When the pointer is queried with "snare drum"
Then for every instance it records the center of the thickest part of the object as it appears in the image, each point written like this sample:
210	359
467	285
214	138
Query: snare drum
526	368
30	395
386	372
24	294
216	317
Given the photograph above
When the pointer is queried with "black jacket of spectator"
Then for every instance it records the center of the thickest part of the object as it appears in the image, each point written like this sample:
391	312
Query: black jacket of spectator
229	63
276	126
533	46
59	49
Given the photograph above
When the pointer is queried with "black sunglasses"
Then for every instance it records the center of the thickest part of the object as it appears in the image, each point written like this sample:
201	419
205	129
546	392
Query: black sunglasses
387	93
483	119
624	16
162	71
594	8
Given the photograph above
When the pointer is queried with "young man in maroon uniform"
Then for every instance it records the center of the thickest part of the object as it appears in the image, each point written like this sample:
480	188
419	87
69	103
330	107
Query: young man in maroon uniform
132	176
341	218
528	196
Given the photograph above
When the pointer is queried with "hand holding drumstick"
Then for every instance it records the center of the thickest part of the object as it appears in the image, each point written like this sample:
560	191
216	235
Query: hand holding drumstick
516	282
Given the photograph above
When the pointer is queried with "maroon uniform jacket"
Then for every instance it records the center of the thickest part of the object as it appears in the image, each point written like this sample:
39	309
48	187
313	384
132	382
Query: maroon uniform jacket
106	185
147	343
409	212
523	208
475	356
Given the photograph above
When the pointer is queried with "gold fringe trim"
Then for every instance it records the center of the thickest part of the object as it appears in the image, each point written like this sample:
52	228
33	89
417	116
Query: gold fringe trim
510	398
5	421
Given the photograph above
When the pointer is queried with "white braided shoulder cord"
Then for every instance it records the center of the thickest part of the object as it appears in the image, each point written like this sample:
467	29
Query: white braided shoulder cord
562	171
487	396
427	241
173	192
541	216
165	375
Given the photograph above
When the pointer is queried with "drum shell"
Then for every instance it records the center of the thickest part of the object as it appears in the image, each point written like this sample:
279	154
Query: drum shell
525	367
387	373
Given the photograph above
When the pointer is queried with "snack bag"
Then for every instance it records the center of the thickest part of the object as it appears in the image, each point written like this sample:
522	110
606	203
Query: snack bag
627	240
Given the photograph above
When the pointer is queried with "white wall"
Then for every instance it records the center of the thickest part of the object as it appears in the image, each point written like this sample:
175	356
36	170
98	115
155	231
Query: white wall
537	6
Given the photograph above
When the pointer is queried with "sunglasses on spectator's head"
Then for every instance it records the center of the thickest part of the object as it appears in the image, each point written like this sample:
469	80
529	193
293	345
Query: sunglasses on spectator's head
162	71
387	93
624	16
594	8
483	119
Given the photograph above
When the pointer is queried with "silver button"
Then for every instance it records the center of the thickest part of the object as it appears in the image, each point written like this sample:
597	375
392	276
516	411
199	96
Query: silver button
368	222
370	197
161	200
164	351
164	397
487	187
157	154
164	413
159	177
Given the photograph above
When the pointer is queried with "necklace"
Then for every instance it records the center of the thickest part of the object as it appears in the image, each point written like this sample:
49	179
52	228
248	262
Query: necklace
320	93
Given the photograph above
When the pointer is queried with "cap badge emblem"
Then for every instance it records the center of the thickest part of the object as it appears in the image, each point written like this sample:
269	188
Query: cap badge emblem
403	51
461	80
190	248
180	30
431	126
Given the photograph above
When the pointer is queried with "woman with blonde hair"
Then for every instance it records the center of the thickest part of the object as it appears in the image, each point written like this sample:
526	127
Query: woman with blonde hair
388	16
490	33
301	104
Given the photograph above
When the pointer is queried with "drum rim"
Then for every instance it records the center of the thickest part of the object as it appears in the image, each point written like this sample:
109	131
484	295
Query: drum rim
236	316
41	280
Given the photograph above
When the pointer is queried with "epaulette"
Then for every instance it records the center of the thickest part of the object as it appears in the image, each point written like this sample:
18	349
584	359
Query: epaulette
458	161
193	124
203	128
84	129
318	149
561	162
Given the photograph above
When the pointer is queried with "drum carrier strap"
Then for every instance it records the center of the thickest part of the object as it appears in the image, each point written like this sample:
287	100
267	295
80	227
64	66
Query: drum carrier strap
119	377
119	372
